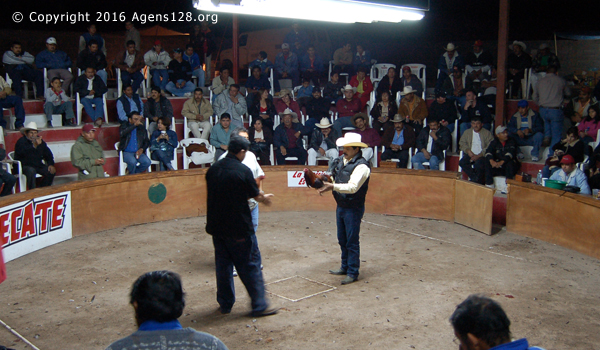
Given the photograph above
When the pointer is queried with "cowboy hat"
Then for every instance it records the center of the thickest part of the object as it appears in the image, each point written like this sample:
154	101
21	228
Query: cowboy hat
289	112
29	126
397	119
359	115
349	87
450	47
351	139
408	90
519	43
324	124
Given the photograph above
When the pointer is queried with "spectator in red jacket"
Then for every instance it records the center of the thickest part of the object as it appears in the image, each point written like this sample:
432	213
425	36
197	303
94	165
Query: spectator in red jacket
346	108
363	86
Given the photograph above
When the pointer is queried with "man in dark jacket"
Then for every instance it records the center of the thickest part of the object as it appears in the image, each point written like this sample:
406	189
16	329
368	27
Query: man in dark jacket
431	143
32	152
474	107
288	140
501	157
516	62
134	142
155	107
180	76
527	128
397	142
131	62
322	142
91	88
443	110
93	57
317	108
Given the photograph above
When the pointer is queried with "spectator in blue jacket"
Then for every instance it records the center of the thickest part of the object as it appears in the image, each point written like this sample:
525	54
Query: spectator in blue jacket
194	61
162	143
527	128
304	92
447	62
571	174
56	62
264	64
180	74
298	39
362	58
286	66
311	65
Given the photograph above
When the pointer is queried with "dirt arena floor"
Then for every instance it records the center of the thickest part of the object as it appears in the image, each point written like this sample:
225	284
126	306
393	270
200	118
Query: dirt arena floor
414	272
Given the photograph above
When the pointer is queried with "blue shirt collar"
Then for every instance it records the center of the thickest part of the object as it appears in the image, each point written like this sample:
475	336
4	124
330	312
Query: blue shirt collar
152	325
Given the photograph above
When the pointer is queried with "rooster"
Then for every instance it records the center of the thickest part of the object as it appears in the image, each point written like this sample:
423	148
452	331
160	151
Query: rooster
315	181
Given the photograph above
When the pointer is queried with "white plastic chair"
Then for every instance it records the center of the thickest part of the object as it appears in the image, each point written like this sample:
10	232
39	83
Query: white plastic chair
80	109
25	86
187	131
455	137
379	70
186	142
122	164
345	75
420	70
120	83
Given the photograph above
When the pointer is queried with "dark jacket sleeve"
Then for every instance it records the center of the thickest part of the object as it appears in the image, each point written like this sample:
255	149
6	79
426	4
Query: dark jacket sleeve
280	139
126	129
443	142
99	87
577	151
81	86
316	139
422	138
409	137
268	134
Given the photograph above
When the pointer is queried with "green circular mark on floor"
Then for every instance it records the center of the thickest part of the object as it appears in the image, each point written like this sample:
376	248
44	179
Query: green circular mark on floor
157	193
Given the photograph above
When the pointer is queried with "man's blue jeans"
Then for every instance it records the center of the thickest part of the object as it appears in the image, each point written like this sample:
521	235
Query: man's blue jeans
164	158
348	230
135	79
160	78
199	73
180	92
553	124
131	161
419	158
96	112
11	101
245	256
535	141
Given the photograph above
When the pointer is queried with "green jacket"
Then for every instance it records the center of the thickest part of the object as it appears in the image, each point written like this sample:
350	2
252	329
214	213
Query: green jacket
83	157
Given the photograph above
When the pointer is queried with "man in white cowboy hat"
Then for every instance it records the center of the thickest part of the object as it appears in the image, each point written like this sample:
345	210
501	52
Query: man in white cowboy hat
516	62
322	142
369	136
32	152
287	139
412	108
397	141
346	108
350	174
449	59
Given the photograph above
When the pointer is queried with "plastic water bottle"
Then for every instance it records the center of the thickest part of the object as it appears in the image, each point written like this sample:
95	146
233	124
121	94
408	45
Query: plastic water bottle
539	178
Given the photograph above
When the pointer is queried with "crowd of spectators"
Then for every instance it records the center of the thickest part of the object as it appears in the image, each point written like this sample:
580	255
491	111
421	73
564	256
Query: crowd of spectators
293	122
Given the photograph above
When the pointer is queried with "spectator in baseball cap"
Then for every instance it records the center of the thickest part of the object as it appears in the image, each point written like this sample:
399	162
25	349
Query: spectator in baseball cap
571	174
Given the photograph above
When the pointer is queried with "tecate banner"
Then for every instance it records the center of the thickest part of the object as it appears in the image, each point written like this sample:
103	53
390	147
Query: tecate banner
35	224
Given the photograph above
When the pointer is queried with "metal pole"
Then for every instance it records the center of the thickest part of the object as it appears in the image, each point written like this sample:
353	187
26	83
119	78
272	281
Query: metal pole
236	49
502	53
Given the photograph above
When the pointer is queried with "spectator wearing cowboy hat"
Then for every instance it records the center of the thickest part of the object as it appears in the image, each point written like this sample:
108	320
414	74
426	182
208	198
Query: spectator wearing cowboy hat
516	62
368	135
397	142
346	108
87	155
447	61
571	174
501	156
285	101
409	79
158	60
288	139
413	108
478	62
544	59
35	156
350	174
322	142
432	141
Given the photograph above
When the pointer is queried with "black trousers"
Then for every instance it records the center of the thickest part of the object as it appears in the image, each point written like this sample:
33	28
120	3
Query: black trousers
508	169
30	172
474	170
9	182
401	155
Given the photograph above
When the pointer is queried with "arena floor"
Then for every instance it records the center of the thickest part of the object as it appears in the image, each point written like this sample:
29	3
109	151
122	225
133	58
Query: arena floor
414	272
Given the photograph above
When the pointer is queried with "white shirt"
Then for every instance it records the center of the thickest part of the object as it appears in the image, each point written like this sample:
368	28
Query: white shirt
90	87
429	144
259	135
476	144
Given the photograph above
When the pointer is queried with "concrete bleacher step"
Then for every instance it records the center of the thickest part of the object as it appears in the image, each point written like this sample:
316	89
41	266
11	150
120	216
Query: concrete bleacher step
39	119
